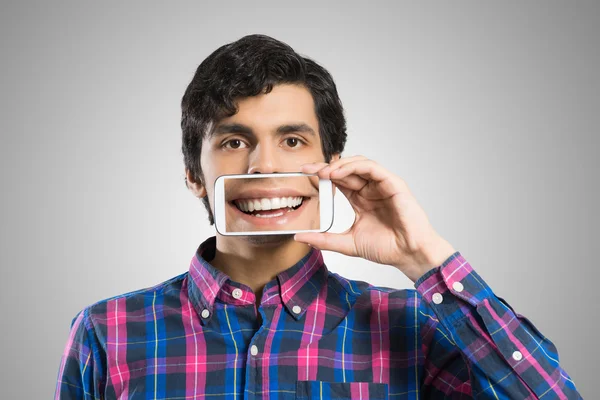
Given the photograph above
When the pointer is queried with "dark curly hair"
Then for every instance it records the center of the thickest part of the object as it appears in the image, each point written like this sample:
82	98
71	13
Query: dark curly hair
248	67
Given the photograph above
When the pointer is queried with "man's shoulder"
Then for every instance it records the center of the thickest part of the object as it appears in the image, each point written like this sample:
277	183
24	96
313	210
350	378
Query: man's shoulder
133	302
369	301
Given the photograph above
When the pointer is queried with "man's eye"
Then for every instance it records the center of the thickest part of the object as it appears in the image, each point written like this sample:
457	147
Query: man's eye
292	142
233	144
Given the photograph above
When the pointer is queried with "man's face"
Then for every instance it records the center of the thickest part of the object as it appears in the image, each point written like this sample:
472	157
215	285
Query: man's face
274	132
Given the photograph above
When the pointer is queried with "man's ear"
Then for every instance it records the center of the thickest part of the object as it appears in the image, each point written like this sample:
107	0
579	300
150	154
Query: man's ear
197	188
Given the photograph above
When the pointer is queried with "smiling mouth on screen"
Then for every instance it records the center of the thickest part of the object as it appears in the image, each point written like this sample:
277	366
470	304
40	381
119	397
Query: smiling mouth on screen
274	211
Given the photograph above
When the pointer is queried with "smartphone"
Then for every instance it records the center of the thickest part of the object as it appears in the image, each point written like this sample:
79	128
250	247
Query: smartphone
272	204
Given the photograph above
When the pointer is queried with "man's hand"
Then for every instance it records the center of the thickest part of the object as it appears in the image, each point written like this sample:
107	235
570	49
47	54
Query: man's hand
390	227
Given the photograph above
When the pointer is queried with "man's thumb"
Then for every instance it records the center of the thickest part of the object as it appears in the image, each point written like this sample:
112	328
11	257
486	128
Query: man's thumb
339	243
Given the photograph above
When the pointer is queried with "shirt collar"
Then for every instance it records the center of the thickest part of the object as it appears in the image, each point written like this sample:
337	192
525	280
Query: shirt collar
297	286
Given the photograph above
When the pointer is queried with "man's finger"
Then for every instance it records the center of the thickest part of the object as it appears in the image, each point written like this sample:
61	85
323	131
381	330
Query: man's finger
367	169
312	168
350	182
343	161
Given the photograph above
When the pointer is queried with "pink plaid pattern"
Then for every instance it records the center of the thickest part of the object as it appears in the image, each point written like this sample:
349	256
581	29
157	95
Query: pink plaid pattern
315	335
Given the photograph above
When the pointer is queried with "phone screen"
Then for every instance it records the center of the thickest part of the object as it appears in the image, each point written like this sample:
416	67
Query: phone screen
289	203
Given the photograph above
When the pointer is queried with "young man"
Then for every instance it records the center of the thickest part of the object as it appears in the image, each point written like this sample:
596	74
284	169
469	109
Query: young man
261	317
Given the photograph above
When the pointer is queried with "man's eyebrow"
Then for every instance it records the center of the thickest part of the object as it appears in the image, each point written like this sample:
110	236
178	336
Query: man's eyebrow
300	127
222	129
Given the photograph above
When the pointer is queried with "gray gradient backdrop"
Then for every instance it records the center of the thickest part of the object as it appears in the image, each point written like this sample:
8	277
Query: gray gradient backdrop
490	112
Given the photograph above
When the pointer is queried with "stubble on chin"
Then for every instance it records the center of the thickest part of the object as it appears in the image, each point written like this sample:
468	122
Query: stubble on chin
268	240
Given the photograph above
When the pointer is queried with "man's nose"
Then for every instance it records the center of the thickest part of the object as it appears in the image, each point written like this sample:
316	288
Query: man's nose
263	160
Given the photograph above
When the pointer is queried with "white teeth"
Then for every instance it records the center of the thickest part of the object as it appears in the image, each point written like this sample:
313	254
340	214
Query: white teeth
268	203
279	214
265	204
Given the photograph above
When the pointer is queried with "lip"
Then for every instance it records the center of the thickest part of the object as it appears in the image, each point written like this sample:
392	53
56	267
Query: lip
286	218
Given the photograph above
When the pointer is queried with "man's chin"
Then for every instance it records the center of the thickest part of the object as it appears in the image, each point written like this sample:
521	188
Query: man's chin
267	240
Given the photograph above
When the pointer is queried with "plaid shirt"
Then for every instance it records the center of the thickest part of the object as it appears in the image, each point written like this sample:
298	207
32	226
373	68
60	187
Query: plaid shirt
315	335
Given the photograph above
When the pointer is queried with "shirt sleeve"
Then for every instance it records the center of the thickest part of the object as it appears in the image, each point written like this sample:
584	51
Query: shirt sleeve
80	373
478	347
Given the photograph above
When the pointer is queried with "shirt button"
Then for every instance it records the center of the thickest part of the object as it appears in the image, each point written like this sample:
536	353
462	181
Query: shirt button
437	298
205	313
237	293
296	309
458	286
254	350
517	356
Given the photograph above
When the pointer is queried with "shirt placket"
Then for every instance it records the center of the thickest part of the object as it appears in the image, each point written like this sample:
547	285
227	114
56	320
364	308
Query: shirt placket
257	373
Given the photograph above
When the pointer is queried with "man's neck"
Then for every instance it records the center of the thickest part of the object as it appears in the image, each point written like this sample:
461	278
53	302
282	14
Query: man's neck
255	264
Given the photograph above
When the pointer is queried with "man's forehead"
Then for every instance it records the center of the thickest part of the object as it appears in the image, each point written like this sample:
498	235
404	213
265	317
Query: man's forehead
286	108
282	103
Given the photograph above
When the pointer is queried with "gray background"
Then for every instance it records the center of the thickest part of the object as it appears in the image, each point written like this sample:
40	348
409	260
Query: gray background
490	113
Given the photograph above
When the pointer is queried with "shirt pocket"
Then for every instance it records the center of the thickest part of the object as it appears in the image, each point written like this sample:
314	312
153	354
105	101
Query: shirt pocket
308	390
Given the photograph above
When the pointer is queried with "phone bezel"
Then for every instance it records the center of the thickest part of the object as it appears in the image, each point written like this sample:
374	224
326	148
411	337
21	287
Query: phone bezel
325	201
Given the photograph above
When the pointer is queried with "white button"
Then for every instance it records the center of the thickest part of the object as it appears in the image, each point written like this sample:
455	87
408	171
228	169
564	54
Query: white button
517	355
237	293
254	350
296	309
205	313
437	298
458	286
